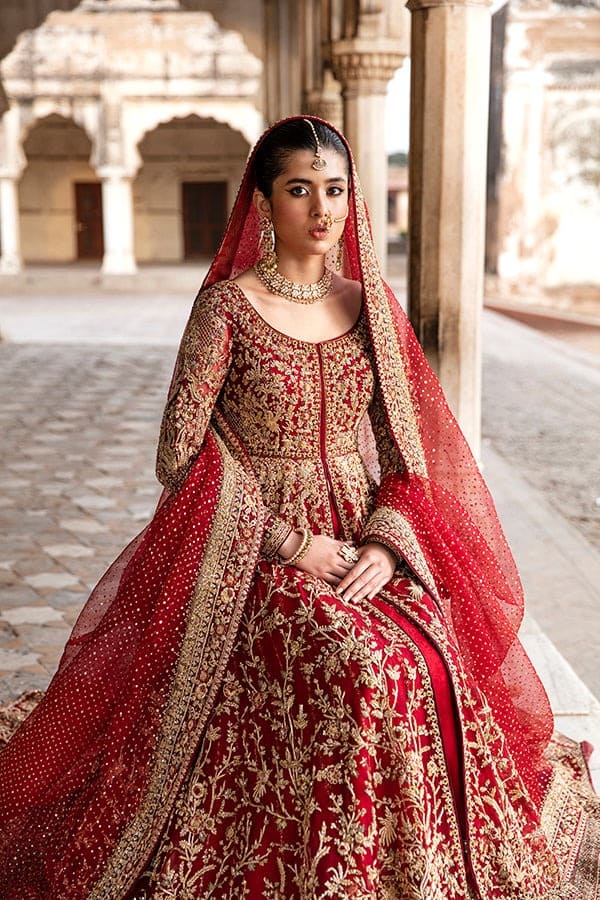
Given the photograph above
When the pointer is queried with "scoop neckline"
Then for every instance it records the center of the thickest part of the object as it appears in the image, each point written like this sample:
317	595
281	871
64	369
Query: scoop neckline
290	337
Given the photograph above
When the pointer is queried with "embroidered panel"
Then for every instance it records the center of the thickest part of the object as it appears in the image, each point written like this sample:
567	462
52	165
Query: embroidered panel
323	772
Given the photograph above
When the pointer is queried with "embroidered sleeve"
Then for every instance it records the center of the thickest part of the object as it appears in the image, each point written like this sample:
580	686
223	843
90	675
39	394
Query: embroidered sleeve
201	368
276	528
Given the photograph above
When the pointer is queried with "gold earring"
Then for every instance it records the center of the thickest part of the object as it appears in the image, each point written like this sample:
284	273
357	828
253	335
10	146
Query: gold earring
267	244
339	259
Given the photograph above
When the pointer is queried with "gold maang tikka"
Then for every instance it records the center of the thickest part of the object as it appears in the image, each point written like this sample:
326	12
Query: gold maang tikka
318	163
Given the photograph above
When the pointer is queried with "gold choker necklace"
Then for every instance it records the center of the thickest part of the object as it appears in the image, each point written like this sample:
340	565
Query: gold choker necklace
277	283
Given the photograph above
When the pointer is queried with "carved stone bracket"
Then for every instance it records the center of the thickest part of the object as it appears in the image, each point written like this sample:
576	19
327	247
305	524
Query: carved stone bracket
365	66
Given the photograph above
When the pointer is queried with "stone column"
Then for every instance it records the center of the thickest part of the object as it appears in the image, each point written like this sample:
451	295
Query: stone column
364	66
117	215
10	232
327	101
450	58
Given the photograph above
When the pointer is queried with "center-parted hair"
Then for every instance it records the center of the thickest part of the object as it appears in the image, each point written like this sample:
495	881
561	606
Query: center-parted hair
276	148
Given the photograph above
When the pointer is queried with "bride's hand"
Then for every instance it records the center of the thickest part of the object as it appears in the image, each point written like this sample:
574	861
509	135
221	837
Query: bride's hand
322	559
370	574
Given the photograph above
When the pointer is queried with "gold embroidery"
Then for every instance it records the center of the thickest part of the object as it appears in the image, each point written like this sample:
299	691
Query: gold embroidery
391	367
387	452
202	363
511	858
571	819
325	745
215	612
342	754
392	529
290	411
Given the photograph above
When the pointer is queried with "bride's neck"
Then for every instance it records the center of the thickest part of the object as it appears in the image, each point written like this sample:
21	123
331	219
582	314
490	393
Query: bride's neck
302	270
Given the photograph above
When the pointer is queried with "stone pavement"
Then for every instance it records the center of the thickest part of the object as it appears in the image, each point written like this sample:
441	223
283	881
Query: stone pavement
83	381
79	425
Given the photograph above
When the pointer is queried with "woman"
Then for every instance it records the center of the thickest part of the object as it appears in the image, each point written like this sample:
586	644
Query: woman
303	678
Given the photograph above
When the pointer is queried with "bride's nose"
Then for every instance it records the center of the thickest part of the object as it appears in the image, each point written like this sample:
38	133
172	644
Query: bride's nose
319	207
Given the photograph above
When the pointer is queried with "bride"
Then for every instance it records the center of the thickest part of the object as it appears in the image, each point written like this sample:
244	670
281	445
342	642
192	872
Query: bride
303	678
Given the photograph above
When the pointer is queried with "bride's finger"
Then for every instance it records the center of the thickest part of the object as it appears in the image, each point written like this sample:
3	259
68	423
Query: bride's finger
361	587
339	569
355	572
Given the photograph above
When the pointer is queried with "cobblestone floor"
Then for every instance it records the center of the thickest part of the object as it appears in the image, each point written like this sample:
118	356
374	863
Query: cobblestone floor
79	427
541	411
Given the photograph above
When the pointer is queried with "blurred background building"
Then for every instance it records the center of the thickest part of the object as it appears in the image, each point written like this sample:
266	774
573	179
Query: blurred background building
544	155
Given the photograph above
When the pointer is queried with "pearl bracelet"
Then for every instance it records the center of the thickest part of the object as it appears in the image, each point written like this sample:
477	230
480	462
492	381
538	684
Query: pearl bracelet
305	543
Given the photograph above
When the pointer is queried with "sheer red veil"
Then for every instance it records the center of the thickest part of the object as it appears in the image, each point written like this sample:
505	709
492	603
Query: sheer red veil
88	781
441	494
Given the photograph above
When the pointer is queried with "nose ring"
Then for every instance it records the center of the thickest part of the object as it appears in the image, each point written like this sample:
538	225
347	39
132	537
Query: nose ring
327	220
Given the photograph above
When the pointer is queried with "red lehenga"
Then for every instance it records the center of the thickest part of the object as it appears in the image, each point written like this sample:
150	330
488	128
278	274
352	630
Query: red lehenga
224	726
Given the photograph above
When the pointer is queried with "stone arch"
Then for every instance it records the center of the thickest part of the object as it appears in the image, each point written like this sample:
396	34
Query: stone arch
572	136
188	163
240	116
55	227
572	218
42	109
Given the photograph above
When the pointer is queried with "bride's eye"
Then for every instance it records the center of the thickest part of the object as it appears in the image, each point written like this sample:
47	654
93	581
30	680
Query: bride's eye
335	190
298	191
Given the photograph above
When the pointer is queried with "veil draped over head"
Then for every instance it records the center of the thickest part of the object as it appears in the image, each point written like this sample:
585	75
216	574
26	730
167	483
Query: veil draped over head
88	782
441	498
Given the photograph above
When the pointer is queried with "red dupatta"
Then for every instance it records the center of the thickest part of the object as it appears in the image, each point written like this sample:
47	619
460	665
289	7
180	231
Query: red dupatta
451	534
88	782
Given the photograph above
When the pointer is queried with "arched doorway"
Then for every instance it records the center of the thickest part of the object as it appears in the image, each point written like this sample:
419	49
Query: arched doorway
185	187
59	195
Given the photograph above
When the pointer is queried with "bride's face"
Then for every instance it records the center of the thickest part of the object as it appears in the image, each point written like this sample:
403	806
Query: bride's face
305	203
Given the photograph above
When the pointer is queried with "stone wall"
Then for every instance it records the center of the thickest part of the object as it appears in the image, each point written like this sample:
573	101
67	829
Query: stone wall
549	194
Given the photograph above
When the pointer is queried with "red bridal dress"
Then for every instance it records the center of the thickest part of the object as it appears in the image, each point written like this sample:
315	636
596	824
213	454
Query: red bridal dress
225	726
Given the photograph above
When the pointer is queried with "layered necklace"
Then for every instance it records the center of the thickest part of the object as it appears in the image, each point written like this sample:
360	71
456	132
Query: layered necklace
277	283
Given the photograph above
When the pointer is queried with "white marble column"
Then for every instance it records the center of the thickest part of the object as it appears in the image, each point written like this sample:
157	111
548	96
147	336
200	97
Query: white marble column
364	67
117	215
450	58
10	231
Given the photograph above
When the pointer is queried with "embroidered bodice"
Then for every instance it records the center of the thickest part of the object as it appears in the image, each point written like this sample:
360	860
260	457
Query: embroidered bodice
296	408
288	410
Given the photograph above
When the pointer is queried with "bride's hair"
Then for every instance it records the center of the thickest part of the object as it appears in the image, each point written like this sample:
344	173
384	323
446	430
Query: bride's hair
272	154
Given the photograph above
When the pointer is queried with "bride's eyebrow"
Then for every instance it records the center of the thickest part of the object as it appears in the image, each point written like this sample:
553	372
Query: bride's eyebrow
338	178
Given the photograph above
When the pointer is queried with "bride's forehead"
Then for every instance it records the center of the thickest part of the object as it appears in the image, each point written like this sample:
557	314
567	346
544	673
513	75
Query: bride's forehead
299	163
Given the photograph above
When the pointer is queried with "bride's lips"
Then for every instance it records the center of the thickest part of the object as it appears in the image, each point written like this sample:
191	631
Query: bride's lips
319	232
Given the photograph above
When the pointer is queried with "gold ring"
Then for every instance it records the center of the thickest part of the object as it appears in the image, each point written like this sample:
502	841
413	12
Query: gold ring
349	553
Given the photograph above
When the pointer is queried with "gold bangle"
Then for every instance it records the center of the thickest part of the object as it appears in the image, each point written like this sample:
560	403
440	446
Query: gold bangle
307	539
274	537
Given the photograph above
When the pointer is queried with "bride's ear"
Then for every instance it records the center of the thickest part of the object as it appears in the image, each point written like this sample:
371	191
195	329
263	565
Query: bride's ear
261	203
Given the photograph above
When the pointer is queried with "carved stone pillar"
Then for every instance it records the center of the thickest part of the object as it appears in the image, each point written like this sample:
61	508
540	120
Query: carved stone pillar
12	165
364	66
10	233
117	213
327	102
450	58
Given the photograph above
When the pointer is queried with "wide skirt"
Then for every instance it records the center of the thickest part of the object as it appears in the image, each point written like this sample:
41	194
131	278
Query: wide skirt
349	756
